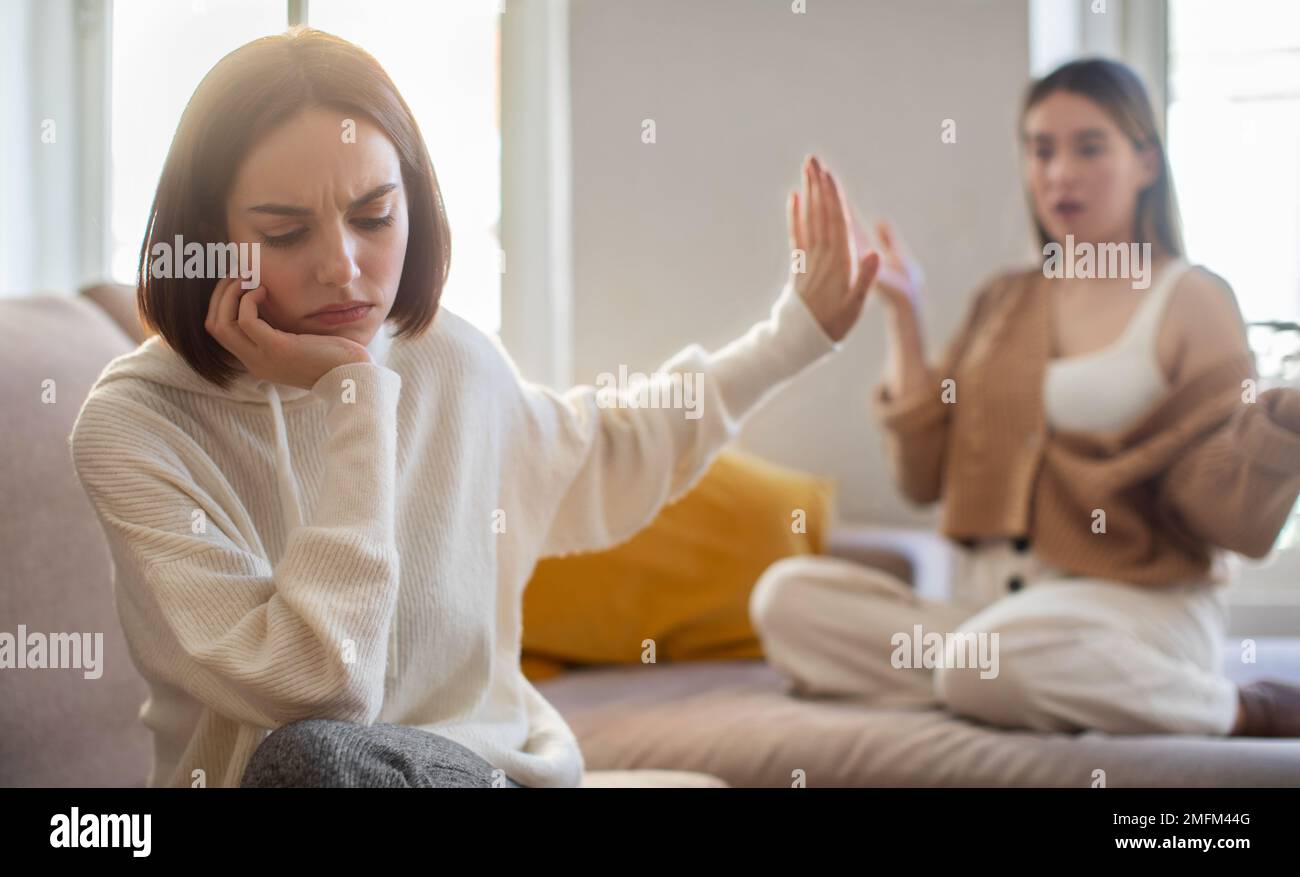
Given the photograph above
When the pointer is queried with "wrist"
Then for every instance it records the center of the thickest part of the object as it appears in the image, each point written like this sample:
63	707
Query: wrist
351	381
903	317
905	331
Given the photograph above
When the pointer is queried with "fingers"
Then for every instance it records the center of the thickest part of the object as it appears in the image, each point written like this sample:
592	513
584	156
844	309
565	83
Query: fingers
885	232
892	241
259	331
222	307
217	305
795	221
867	269
826	229
824	220
812	203
837	232
222	310
228	307
213	301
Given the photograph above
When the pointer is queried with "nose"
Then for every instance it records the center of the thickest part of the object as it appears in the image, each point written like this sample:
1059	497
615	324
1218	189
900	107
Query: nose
1060	171
337	264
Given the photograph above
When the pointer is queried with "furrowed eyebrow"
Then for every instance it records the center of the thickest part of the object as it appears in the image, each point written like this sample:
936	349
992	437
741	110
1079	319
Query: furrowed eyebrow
294	210
376	192
279	210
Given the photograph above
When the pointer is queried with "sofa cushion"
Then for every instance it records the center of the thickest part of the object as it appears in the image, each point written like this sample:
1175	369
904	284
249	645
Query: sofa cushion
736	720
57	727
684	581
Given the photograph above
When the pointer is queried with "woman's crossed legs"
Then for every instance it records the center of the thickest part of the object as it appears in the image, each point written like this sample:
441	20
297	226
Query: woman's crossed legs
1069	655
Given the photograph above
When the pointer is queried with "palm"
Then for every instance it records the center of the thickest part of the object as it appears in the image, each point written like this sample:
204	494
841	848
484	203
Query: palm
900	277
835	277
270	353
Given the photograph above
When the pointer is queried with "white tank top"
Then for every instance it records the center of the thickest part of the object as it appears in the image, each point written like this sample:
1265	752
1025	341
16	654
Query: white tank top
1108	389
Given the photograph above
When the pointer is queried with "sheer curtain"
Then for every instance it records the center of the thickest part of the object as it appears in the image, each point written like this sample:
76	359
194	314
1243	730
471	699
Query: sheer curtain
54	88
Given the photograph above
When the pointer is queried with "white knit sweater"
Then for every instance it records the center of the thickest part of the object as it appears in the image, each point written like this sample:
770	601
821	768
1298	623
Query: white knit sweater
358	551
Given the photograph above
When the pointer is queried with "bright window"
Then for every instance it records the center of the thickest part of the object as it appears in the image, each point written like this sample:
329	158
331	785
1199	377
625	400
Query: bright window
1234	145
161	49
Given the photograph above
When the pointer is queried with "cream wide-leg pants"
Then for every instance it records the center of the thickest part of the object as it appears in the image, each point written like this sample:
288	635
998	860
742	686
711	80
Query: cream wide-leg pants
1072	653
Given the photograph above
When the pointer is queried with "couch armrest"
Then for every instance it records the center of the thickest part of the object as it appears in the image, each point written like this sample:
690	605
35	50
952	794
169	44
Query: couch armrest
118	301
927	559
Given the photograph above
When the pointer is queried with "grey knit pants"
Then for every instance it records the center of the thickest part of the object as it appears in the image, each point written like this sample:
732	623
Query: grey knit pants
327	753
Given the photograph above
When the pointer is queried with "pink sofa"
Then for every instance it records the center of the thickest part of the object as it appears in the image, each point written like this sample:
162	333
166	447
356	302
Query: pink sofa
730	722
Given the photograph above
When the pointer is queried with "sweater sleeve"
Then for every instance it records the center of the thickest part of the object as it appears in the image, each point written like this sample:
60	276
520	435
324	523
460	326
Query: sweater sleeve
203	608
1235	486
619	454
914	427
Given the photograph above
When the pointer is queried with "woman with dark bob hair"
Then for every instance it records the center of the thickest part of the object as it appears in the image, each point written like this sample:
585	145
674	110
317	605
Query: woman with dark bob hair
1100	444
324	495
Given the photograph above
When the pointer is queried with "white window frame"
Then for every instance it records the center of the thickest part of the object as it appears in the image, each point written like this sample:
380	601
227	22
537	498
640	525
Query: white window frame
536	185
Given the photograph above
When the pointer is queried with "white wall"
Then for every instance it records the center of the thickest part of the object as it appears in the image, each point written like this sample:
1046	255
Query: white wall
685	240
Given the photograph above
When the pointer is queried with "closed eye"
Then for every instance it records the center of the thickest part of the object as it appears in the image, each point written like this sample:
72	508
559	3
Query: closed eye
369	223
373	222
284	240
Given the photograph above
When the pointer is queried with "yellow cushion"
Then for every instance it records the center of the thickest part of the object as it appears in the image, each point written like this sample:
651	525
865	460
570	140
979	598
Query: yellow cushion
683	581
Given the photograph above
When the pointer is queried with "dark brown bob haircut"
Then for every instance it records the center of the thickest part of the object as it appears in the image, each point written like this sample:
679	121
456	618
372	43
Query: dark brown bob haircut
1119	92
254	89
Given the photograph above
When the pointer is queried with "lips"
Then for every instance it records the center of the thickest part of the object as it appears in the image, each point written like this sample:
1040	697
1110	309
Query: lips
343	313
1068	208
